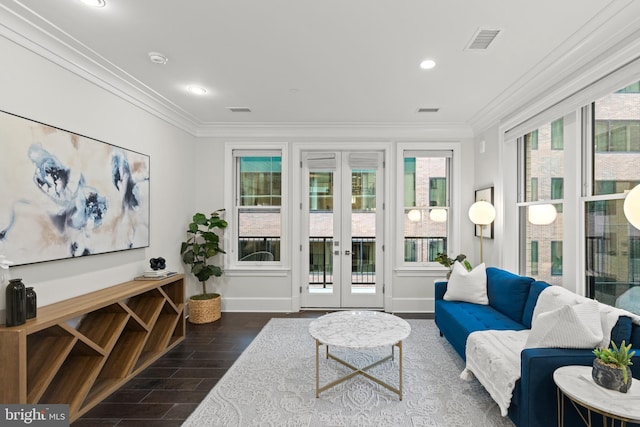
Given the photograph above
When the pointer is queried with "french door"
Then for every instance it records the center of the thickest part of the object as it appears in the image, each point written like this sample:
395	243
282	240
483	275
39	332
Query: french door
342	220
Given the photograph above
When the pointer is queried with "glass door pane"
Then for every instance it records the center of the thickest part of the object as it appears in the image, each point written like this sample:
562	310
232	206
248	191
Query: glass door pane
321	192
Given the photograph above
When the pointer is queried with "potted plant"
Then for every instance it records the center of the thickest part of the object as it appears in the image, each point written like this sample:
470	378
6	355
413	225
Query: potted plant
203	244
444	260
611	367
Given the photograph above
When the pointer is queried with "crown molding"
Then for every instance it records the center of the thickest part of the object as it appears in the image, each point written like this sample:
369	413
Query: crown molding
27	29
351	131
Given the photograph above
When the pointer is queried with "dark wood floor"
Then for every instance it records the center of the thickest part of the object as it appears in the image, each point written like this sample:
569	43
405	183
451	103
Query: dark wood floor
166	393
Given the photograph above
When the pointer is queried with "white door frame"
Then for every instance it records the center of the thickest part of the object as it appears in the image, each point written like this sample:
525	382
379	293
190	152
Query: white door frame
299	221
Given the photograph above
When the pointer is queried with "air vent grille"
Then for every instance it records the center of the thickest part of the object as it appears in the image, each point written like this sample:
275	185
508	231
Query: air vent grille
239	109
427	110
482	38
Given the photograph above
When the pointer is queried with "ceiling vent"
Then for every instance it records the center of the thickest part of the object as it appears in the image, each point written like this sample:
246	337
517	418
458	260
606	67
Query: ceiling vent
239	109
482	38
427	110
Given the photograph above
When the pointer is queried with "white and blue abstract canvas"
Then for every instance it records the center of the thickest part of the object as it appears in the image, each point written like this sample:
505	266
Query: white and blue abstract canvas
65	195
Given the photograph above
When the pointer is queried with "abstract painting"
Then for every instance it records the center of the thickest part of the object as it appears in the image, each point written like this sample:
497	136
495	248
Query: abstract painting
66	195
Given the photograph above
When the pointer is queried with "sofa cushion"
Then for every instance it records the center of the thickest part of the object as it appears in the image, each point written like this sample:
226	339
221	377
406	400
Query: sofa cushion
532	299
468	286
457	319
507	292
635	336
570	326
622	331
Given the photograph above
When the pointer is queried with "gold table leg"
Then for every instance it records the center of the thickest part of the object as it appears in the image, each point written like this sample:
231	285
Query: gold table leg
360	371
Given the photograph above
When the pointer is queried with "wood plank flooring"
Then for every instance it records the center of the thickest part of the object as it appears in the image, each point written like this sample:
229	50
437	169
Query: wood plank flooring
166	393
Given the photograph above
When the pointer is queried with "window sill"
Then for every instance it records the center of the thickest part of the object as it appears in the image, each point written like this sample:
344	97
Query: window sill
257	271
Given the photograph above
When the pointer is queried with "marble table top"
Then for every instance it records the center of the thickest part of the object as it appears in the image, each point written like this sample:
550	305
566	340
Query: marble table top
576	382
359	329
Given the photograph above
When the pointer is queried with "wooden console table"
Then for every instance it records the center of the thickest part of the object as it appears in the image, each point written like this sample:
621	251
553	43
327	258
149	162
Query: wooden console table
80	350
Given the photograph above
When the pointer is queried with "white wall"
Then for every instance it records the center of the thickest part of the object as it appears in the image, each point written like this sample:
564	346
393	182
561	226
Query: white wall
35	88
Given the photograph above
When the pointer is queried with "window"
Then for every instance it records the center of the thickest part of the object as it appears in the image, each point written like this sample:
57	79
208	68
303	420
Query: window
632	88
556	258
438	191
258	207
557	135
539	256
557	191
534	257
617	135
612	264
531	140
533	189
426	186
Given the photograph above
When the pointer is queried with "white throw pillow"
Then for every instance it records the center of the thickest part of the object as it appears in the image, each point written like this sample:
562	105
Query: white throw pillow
468	286
570	326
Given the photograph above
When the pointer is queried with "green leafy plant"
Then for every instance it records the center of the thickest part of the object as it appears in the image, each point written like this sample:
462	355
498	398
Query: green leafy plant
444	260
203	244
615	356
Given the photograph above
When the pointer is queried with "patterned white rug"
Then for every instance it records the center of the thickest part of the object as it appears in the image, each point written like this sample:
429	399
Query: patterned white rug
273	384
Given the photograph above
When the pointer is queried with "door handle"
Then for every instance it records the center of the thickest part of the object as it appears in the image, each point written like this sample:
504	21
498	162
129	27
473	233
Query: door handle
347	252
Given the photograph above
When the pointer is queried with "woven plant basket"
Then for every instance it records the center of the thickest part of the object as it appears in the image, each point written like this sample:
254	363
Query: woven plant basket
204	310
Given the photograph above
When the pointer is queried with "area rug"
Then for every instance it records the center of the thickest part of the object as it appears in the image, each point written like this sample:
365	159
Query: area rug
273	384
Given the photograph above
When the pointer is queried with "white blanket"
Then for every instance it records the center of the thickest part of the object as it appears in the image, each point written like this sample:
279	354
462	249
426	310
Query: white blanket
493	357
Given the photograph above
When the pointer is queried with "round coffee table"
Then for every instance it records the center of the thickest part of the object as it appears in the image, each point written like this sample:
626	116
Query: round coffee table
359	330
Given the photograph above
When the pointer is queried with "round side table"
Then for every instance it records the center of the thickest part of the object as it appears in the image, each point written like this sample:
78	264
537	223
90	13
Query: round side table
587	397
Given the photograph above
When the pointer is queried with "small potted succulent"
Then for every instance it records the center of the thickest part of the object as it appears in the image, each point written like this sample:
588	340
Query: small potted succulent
611	367
443	259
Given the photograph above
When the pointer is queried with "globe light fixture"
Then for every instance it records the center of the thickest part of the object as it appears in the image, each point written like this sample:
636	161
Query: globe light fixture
543	214
482	213
631	206
438	215
414	215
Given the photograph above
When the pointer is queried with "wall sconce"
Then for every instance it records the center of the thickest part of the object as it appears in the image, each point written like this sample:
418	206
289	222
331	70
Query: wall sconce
482	213
631	206
438	215
543	214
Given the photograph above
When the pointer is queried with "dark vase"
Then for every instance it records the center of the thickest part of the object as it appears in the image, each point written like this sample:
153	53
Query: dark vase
32	303
16	303
610	377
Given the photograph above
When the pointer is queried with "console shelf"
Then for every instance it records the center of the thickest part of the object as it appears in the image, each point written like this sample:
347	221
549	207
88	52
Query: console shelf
81	350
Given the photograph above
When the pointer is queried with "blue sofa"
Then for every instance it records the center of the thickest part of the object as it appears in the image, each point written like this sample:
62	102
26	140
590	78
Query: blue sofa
512	299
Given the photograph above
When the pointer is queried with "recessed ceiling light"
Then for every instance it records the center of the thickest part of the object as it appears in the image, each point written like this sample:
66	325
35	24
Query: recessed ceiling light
158	58
197	90
427	64
95	3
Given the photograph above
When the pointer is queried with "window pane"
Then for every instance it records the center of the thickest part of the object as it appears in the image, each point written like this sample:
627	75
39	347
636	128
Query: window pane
616	141
542	163
541	248
425	187
543	178
438	191
557	135
556	258
534	257
259	218
613	251
260	181
363	190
